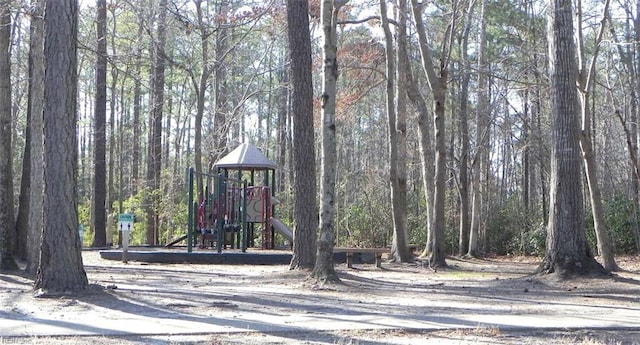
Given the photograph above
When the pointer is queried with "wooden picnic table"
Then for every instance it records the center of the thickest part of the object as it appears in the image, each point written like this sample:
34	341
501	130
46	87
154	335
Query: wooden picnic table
350	251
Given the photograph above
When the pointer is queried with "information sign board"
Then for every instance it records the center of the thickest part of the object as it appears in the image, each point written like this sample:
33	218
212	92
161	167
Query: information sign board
125	222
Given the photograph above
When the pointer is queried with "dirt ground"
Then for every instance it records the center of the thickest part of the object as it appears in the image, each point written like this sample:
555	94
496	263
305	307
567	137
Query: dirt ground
494	286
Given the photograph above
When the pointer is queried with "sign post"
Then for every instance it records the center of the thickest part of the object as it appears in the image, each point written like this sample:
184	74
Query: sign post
125	225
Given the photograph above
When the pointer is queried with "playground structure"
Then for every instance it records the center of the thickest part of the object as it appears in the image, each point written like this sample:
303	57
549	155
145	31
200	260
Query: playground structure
230	207
234	206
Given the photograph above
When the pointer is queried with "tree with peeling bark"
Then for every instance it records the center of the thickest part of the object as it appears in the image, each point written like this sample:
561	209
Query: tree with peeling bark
438	85
567	248
61	270
324	270
304	178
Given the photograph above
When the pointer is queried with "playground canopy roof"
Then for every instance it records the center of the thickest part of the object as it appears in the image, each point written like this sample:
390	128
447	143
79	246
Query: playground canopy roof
245	157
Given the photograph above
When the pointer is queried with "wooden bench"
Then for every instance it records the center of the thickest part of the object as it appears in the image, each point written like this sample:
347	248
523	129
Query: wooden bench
350	251
413	247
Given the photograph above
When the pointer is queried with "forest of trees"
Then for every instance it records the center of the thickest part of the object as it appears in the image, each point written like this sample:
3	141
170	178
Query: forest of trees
445	118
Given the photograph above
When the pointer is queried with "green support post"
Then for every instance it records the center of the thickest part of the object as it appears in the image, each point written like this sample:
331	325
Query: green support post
272	193
190	228
221	197
245	238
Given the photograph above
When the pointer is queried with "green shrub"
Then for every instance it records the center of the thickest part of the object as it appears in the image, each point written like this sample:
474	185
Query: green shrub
361	225
84	221
511	229
530	242
621	218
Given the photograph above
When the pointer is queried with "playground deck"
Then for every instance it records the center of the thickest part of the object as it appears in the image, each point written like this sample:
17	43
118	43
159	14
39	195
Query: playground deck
227	257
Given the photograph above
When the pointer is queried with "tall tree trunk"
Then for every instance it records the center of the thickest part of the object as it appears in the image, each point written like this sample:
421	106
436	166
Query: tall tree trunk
60	271
113	130
7	221
541	152
35	109
136	154
437	84
125	141
324	270
20	243
201	90
463	127
529	130
636	114
100	131
426	152
398	126
390	91
628	54
283	105
586	78
168	127
304	167
221	123
437	257
482	129
526	152
22	219
154	165
567	248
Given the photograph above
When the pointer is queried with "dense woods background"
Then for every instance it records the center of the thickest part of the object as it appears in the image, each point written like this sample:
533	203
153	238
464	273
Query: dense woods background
168	84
